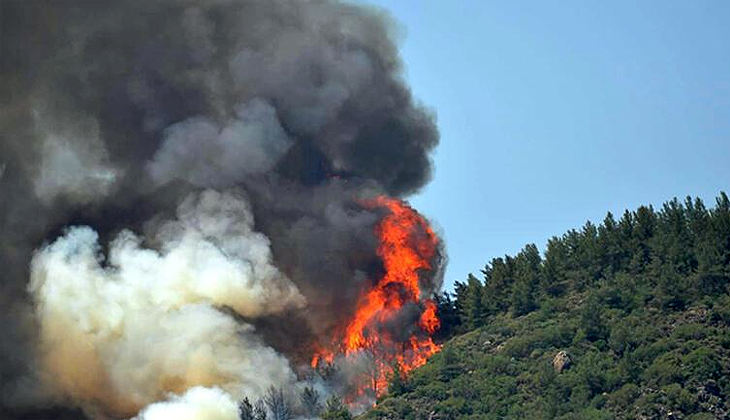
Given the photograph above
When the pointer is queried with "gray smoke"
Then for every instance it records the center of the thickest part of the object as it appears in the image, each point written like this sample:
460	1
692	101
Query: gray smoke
244	128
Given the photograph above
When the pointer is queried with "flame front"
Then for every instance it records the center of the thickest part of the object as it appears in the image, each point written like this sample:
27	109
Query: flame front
407	246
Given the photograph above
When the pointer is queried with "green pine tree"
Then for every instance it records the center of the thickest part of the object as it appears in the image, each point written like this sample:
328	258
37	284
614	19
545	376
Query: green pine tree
335	410
473	315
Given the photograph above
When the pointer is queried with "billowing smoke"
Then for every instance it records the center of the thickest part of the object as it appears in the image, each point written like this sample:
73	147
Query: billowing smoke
179	189
196	404
146	324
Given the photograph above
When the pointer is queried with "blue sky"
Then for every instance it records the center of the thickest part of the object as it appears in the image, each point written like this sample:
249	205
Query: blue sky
553	112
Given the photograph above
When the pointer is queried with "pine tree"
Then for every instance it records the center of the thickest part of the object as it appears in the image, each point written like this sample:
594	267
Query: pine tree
672	290
721	228
446	311
643	230
672	240
629	244
473	315
460	292
708	278
278	404
523	301
259	410
528	275
245	410
592	320
555	268
335	410
310	402
712	229
609	242
498	280
589	255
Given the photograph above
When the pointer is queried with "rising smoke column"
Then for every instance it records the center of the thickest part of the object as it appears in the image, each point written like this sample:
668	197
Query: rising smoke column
115	117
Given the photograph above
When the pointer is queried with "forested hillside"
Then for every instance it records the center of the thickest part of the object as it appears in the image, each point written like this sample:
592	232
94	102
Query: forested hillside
626	319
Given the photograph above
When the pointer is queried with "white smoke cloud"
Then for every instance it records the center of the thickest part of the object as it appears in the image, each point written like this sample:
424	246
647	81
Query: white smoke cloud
196	404
126	332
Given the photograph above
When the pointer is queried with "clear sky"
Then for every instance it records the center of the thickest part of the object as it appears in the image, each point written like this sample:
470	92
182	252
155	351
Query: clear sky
553	112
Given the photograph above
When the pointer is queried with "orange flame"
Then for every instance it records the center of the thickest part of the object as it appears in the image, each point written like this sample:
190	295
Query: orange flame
407	244
429	322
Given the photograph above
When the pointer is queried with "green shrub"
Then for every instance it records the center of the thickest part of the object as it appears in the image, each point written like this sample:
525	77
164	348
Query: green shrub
665	369
452	408
624	396
703	364
680	398
702	416
689	332
436	391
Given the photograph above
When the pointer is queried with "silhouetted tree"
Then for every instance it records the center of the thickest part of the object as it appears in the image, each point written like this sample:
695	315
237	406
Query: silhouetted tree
310	402
278	404
245	410
259	410
446	312
460	291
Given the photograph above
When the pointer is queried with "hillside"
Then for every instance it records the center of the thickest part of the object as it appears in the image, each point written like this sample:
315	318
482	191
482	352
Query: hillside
626	319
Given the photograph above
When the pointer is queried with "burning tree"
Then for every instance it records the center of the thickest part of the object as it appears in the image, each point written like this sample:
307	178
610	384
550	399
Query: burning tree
374	336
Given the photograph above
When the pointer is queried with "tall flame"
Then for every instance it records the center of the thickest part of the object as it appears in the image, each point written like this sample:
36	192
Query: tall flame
407	246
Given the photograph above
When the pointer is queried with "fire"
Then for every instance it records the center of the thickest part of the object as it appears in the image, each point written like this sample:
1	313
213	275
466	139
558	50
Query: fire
407	246
429	322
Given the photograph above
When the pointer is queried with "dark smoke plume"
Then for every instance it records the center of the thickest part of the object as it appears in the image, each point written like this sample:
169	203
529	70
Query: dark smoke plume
150	122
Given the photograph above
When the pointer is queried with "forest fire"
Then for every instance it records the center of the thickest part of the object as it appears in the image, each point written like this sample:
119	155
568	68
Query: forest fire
182	230
407	246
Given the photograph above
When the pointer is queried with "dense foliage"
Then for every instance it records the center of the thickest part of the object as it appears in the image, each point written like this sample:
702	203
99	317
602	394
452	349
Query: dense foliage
638	309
